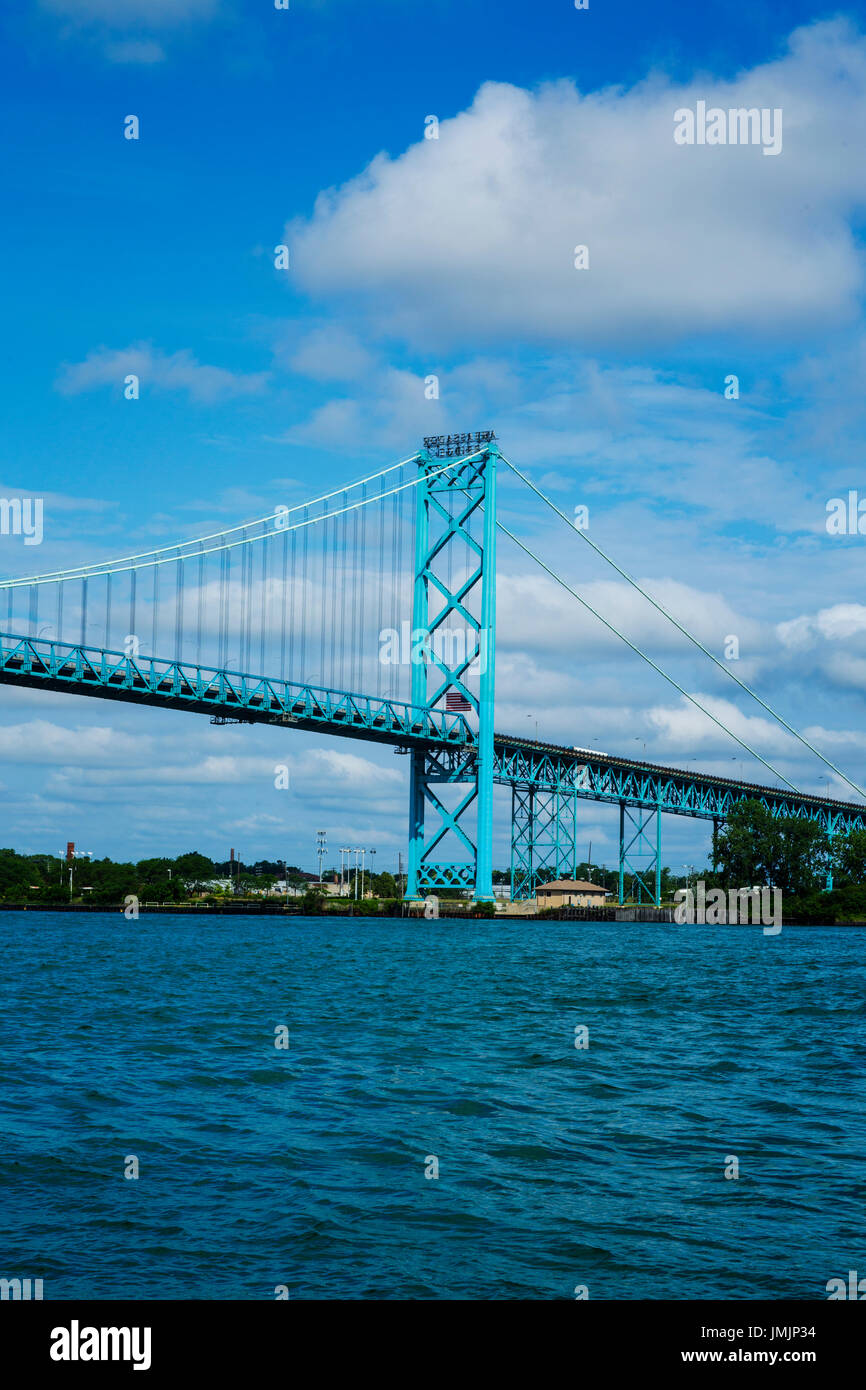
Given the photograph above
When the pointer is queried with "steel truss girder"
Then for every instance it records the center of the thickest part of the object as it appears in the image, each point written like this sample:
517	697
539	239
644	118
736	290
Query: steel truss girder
543	838
674	793
449	739
254	699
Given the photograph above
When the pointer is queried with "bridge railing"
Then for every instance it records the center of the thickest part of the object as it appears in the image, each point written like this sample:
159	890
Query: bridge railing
147	679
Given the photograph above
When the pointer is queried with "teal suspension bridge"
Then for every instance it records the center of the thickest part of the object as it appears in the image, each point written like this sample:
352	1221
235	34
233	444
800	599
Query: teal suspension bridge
370	613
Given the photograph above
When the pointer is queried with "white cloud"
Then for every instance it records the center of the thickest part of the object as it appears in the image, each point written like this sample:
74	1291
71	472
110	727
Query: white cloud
846	670
685	727
479	226
534	614
328	353
40	741
187	772
349	770
836	624
178	371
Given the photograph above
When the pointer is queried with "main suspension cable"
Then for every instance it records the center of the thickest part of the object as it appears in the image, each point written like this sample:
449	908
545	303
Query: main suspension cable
685	631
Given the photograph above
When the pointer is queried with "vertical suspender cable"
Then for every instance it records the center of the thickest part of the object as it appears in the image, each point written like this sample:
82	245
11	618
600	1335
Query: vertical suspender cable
200	604
305	603
178	612
222	609
249	601
355	634
362	637
283	600
155	614
409	570
380	566
323	536
228	627
264	607
227	611
245	592
335	527
343	533
392	674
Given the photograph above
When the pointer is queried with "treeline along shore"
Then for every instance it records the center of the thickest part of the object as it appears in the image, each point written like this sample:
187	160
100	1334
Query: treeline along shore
819	881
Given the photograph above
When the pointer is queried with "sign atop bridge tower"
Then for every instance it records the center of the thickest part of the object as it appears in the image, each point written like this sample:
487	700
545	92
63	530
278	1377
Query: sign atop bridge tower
457	446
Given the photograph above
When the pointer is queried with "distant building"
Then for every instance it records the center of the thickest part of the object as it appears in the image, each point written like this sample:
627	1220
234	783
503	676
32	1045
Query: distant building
571	892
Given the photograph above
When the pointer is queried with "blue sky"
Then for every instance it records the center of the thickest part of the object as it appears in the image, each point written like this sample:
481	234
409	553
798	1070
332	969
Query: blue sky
454	257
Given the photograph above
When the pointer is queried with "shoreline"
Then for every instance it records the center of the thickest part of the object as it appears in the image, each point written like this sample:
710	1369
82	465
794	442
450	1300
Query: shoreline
622	915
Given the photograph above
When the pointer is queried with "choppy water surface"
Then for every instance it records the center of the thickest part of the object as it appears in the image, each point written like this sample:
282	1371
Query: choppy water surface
306	1167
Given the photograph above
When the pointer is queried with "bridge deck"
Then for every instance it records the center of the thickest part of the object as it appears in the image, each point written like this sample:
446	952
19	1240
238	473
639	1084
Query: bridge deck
597	776
521	762
78	670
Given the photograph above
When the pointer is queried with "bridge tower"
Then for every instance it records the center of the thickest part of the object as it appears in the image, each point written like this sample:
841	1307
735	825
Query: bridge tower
543	837
455	532
640	850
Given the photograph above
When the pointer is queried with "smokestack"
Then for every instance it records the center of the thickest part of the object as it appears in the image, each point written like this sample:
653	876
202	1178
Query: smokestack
70	851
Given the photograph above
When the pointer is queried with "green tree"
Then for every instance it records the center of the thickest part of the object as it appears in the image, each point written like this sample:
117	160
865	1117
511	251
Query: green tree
755	847
384	885
850	858
194	867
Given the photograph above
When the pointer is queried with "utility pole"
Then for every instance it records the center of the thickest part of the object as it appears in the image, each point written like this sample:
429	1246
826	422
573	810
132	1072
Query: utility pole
356	852
71	858
372	867
321	848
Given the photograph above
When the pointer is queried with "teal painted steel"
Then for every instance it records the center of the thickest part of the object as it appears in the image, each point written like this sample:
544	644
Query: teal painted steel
640	855
443	743
446	503
606	778
486	712
420	598
543	839
173	684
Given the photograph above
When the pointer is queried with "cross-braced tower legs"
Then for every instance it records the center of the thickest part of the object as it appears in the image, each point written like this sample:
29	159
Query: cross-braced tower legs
543	838
454	622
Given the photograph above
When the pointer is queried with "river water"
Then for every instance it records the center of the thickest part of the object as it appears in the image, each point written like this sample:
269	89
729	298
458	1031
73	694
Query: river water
417	1045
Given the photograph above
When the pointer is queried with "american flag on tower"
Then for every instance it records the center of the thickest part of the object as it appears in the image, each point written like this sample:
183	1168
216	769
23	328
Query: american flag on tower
456	702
